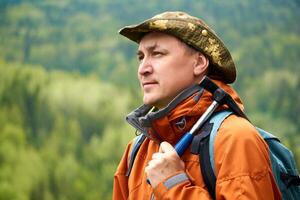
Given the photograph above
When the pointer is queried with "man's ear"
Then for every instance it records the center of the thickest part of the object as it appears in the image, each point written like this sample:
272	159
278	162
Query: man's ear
201	64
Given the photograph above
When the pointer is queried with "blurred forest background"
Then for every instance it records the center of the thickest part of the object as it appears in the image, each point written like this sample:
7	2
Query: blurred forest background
67	79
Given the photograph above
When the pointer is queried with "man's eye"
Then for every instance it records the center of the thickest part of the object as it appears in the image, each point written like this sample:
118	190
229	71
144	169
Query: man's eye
140	57
157	53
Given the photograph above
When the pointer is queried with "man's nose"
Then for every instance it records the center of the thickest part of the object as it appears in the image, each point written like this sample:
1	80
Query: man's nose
145	67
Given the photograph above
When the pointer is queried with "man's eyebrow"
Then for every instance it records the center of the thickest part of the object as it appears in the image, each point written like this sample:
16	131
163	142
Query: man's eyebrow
149	48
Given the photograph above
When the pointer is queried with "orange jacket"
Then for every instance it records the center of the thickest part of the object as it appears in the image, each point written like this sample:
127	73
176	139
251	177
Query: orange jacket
242	162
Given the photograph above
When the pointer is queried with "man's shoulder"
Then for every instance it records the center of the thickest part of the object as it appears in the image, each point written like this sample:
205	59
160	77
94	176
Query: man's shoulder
237	133
235	127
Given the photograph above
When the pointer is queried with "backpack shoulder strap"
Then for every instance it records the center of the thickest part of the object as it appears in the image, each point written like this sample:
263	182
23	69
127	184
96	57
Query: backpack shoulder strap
138	140
216	120
205	142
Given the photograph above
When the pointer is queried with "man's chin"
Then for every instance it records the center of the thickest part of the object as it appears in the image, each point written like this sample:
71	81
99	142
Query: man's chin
156	104
150	101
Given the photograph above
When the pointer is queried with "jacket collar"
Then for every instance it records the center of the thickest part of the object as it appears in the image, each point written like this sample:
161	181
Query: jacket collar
170	123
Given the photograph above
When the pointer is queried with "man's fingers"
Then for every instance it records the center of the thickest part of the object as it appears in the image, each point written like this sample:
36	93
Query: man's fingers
166	147
156	155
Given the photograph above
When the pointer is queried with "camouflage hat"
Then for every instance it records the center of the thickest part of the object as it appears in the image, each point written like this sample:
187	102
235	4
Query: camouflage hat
193	32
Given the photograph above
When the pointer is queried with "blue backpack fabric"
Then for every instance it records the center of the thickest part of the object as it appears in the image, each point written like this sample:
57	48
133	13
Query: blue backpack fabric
283	163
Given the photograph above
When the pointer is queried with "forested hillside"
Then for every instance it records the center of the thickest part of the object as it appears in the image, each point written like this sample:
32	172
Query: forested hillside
67	79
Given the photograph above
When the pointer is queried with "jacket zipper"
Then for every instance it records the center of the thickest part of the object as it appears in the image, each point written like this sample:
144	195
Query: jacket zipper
152	196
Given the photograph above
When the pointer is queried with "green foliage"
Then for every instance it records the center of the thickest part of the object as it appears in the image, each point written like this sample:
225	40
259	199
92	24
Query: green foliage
57	134
67	80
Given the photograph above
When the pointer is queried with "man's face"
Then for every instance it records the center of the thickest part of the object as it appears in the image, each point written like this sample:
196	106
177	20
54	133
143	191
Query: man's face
166	68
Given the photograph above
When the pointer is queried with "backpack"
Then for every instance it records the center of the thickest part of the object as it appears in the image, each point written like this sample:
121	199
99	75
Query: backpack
283	164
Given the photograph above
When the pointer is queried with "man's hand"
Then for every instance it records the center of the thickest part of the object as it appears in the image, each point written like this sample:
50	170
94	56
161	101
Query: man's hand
164	164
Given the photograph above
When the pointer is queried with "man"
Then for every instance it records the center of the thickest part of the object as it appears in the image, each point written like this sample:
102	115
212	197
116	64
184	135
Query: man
175	52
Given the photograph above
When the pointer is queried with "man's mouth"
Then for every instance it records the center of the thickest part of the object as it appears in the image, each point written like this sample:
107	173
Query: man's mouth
149	84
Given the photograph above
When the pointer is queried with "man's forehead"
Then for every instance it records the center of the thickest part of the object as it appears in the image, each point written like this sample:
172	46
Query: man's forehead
149	46
157	40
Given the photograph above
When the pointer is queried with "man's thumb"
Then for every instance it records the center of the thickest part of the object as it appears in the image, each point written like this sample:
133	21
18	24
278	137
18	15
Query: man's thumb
166	147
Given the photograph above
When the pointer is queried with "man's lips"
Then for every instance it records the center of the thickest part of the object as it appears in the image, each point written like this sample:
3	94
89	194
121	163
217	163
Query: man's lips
149	83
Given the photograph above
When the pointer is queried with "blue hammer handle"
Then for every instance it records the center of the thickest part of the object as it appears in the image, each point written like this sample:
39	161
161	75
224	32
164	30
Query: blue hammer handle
183	143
